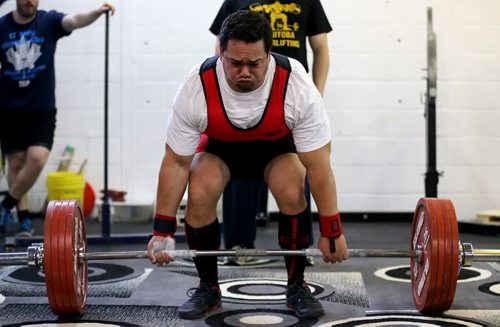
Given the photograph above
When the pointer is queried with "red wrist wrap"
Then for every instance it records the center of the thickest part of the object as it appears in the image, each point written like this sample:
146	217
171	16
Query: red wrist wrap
330	226
164	225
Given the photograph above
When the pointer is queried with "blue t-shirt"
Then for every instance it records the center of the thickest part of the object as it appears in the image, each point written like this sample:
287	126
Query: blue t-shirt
27	75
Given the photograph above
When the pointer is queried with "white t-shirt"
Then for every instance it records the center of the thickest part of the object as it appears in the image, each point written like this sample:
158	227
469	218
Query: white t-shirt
305	113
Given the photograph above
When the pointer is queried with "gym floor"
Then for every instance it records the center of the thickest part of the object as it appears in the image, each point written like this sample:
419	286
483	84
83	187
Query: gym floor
359	292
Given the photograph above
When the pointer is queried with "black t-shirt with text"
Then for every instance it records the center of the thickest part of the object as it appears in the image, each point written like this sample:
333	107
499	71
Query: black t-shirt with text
291	21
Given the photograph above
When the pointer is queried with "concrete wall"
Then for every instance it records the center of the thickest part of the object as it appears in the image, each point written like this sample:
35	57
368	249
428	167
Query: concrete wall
374	96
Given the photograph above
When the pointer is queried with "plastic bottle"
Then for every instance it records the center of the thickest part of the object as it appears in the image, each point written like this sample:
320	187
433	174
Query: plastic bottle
65	162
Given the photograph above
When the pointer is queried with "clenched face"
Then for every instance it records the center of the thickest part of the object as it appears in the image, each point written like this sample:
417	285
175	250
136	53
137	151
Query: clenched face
245	64
27	8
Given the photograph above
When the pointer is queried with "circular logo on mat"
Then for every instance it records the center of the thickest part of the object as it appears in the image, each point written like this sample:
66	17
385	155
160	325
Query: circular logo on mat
402	274
97	273
75	323
402	320
258	317
251	290
491	288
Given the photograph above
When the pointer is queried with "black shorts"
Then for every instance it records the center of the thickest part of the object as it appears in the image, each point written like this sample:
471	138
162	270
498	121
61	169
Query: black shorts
249	158
19	130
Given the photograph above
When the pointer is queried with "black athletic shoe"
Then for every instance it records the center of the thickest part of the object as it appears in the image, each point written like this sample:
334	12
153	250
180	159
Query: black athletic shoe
203	299
299	298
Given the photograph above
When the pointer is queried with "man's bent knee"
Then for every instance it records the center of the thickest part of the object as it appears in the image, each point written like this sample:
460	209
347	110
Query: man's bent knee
16	161
291	200
201	208
37	157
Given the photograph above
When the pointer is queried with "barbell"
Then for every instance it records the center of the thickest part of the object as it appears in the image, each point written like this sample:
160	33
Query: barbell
436	256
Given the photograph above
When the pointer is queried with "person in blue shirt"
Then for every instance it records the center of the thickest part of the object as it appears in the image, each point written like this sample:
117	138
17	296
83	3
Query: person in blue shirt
28	39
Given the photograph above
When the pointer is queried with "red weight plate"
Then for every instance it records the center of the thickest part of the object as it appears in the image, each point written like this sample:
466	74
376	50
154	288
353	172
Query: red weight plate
54	274
51	281
452	252
424	271
54	260
64	250
440	276
80	268
59	252
65	272
439	305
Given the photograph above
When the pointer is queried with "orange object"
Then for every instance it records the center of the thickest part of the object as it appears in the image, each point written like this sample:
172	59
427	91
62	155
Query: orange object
89	199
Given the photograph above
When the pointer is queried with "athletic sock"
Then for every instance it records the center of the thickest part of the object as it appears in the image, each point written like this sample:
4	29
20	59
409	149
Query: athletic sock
22	215
205	238
9	202
295	267
294	234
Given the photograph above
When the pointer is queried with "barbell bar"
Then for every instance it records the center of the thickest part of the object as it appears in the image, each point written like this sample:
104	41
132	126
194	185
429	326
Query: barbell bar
436	256
34	255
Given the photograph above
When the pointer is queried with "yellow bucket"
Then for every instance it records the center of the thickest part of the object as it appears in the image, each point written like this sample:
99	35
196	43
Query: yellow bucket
63	185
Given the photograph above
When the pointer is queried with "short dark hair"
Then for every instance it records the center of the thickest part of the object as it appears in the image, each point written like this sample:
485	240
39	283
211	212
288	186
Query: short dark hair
247	26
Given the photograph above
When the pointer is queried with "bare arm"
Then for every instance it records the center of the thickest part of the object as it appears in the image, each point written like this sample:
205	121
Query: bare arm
74	21
321	179
321	60
172	182
323	189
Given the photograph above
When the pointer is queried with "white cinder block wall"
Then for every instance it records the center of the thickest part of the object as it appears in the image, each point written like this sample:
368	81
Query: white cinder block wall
373	96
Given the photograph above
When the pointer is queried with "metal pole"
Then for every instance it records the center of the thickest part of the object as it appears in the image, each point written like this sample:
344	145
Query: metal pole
431	175
14	258
106	212
486	255
381	253
23	258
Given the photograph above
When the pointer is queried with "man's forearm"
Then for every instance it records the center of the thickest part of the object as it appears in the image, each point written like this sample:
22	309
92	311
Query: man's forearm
172	181
74	21
321	60
323	189
321	65
321	179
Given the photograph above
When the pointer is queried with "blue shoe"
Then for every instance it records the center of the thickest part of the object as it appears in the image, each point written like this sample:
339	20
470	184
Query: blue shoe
26	228
6	217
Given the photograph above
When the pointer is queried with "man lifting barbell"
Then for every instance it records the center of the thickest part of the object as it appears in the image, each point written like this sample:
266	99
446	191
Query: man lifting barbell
260	115
435	255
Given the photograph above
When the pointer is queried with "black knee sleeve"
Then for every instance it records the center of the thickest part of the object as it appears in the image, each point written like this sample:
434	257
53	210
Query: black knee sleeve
294	232
205	238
